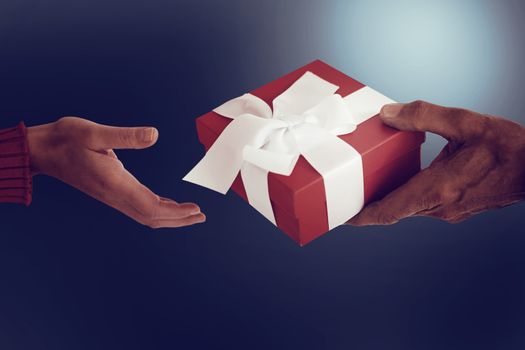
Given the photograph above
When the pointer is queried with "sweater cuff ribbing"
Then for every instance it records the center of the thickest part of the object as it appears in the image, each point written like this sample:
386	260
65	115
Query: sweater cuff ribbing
15	173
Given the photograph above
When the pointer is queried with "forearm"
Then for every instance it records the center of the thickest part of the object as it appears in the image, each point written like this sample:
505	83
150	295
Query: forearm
15	174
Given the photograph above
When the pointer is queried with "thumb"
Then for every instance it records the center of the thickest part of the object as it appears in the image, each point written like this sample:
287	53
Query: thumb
451	123
112	137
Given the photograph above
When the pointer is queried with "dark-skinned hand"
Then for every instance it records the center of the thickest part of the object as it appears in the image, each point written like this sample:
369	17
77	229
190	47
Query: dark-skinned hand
482	166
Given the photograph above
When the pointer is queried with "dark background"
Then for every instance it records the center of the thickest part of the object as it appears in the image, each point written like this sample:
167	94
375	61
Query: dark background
75	274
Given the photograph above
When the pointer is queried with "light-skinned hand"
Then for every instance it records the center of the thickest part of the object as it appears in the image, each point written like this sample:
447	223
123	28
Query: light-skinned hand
81	153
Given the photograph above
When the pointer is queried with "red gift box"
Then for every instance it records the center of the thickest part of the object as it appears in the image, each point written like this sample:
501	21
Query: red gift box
390	157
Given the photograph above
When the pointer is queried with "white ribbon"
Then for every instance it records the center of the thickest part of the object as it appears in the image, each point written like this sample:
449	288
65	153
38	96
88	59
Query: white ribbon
306	120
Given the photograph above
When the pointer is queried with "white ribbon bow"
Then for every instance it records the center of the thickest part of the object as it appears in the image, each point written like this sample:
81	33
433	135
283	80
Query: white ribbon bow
306	120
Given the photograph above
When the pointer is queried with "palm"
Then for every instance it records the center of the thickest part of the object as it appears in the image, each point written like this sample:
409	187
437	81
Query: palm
83	157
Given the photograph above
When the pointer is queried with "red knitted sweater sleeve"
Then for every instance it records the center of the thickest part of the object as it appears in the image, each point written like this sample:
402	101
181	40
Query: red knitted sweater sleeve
15	173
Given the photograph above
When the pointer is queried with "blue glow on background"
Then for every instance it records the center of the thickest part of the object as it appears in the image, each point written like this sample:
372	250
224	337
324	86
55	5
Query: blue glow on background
455	53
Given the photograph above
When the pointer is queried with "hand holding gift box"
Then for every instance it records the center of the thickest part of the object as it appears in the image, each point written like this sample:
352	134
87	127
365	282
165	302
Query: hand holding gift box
312	162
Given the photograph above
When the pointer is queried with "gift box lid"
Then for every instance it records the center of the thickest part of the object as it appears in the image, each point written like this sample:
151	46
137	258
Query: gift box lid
378	146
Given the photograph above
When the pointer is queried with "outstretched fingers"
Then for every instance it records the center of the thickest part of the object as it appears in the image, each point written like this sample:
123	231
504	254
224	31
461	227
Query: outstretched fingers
156	212
113	185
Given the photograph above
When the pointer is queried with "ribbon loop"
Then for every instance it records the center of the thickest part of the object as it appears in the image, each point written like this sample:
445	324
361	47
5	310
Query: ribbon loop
245	104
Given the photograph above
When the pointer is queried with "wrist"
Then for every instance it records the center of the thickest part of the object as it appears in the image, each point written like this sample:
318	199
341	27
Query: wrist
39	140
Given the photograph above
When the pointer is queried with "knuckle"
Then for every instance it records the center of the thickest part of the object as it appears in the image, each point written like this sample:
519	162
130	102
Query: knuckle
385	218
451	219
492	128
418	104
414	111
65	120
66	123
449	194
417	107
448	217
62	126
443	190
70	129
125	138
452	215
149	210
441	214
486	125
148	222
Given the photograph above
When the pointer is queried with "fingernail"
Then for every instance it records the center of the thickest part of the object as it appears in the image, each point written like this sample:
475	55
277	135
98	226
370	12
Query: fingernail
391	110
195	209
149	134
